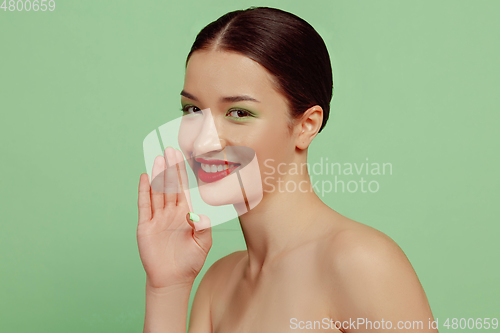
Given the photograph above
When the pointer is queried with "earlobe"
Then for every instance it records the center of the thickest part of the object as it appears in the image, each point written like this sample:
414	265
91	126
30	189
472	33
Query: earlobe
309	124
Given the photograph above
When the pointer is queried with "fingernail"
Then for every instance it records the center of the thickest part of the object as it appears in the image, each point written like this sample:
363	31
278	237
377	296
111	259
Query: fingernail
193	217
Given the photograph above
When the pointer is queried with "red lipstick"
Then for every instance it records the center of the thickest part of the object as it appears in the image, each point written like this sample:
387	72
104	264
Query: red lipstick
210	177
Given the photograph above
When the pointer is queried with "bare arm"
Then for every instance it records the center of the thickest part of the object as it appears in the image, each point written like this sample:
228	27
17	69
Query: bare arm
166	309
200	319
172	247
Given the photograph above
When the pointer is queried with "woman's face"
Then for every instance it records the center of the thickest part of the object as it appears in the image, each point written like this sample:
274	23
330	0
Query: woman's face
229	101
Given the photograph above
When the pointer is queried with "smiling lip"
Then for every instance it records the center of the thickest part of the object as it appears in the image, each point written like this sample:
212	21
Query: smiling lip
210	171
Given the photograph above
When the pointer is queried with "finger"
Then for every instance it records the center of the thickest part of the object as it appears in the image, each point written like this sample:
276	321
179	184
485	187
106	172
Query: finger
157	183
144	201
171	181
183	196
202	231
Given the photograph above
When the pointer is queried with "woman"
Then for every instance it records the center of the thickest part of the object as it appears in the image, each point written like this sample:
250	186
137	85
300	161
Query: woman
306	266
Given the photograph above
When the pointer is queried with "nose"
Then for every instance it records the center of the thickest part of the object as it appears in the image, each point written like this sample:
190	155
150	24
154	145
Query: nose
208	139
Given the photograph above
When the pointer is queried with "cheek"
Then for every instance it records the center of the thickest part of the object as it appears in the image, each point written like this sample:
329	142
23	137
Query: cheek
272	148
186	141
188	128
186	144
275	142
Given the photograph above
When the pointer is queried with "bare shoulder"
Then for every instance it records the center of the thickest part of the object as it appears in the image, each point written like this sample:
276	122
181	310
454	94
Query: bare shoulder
220	270
371	274
357	246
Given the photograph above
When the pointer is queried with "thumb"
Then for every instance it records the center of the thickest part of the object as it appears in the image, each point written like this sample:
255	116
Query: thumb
202	231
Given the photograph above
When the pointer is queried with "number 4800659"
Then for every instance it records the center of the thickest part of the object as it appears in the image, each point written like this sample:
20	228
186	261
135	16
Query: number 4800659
28	5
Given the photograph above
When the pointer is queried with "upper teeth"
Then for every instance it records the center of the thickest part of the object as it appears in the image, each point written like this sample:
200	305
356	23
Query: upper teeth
211	168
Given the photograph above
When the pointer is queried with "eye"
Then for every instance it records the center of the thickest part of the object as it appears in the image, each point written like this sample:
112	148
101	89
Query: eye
238	114
190	109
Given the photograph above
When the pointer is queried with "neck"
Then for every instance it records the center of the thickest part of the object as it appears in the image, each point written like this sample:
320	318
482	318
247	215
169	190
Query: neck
280	222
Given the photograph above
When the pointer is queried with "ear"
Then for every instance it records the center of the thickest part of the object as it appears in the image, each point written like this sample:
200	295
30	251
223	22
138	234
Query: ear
307	127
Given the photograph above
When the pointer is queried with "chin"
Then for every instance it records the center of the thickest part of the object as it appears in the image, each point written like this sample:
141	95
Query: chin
220	193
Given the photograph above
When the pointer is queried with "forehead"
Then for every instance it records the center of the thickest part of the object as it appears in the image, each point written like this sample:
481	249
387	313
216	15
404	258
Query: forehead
211	73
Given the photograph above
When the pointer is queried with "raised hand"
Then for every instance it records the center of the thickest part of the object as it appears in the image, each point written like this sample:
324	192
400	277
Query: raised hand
172	246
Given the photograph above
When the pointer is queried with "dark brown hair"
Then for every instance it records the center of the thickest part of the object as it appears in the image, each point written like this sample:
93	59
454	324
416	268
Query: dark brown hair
283	43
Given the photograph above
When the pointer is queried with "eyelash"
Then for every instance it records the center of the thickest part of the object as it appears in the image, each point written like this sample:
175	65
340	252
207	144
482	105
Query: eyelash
248	114
186	107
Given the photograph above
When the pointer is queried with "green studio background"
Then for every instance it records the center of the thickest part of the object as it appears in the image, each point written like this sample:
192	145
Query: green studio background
416	86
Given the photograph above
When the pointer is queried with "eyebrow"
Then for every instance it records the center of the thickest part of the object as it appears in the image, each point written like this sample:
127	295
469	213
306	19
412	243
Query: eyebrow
223	99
